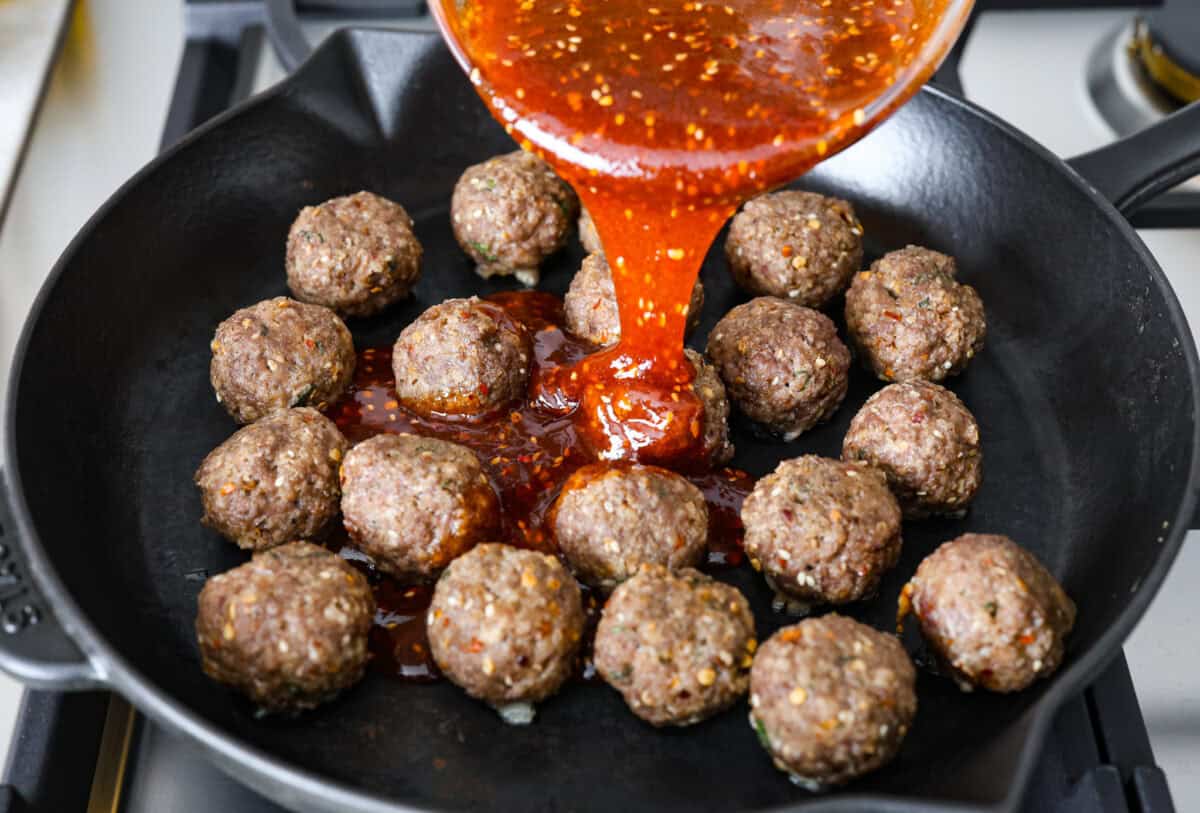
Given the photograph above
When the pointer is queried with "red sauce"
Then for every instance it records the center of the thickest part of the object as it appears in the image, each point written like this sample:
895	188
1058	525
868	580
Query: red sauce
665	115
528	451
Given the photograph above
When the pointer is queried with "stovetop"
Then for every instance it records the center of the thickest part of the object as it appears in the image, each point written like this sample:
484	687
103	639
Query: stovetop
94	752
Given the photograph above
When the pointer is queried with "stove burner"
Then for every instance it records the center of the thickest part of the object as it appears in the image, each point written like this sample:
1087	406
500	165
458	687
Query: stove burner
1167	44
1125	95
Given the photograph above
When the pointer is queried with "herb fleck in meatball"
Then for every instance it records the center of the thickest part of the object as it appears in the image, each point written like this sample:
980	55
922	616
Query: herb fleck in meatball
797	245
288	628
588	236
274	481
924	441
831	699
464	357
505	624
510	213
782	364
910	319
355	254
278	354
990	611
610	519
591	303
414	503
676	645
822	531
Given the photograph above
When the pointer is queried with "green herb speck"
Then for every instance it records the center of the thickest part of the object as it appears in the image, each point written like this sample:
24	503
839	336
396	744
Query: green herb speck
484	251
761	731
305	394
991	608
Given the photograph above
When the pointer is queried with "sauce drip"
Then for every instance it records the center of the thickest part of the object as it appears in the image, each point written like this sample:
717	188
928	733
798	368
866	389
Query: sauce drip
528	451
665	116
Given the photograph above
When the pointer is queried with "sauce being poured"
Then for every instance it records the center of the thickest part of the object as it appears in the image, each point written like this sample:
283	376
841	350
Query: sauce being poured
528	451
665	115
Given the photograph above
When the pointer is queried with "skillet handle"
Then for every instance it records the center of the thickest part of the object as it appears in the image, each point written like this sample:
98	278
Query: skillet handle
34	648
1141	166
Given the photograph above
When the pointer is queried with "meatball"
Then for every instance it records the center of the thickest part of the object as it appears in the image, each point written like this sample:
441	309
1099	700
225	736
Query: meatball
676	645
924	441
413	503
822	531
510	213
910	319
288	628
609	519
277	354
708	387
831	699
796	245
356	254
591	303
782	364
990	611
464	357
588	236
274	481
505	624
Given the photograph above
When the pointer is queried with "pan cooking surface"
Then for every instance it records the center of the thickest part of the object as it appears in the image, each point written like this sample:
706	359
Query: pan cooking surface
1082	394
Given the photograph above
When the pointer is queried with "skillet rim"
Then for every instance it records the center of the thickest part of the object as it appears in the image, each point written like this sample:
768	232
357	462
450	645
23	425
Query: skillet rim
283	780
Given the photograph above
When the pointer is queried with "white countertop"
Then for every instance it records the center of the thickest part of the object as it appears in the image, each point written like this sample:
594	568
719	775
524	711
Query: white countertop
102	120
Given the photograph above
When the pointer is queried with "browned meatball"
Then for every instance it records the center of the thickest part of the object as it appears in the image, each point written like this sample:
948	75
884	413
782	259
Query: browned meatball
510	213
707	385
925	441
831	699
782	364
676	645
505	624
588	236
797	245
413	503
277	354
464	357
288	629
274	481
591	303
610	519
910	319
356	254
822	531
991	612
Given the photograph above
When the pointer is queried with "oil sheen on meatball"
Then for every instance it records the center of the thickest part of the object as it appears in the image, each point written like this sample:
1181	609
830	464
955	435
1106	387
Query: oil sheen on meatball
505	624
717	448
800	246
463	357
991	612
275	480
925	441
288	629
610	519
910	319
414	503
782	364
591	303
277	354
510	213
355	254
831	699
588	236
676	645
822	531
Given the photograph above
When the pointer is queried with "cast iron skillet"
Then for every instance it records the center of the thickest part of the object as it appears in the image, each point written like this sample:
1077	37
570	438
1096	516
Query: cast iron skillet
1086	394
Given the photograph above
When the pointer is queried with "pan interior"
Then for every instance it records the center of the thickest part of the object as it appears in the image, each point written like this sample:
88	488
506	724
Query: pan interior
1082	394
